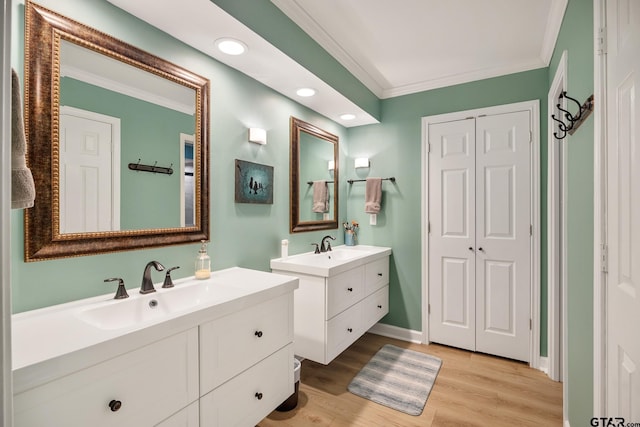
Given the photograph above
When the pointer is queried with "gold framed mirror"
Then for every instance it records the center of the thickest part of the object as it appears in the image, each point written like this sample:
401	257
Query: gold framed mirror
313	177
93	105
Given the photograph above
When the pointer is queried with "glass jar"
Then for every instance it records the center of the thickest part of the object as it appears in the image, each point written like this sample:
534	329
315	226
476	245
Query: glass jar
203	263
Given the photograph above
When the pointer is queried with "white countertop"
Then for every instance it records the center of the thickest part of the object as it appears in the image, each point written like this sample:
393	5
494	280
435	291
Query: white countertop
51	342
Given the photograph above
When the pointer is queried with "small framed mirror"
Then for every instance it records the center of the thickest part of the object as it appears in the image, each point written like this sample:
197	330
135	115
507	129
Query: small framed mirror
118	143
313	178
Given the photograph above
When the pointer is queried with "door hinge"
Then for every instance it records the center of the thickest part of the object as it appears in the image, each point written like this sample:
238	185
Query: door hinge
530	229
428	227
530	324
605	258
601	41
428	147
428	308
530	137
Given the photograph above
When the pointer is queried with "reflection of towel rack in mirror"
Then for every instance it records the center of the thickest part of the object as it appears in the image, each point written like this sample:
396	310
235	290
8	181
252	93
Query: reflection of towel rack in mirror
392	179
149	168
311	182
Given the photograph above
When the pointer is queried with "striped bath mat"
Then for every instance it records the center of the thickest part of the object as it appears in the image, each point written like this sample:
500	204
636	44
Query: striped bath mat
398	378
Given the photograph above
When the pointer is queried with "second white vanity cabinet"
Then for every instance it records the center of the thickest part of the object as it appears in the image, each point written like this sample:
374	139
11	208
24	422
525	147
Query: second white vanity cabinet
333	310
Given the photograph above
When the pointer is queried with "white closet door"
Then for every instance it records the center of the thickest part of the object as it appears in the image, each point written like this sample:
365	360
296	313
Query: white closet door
623	204
503	236
452	291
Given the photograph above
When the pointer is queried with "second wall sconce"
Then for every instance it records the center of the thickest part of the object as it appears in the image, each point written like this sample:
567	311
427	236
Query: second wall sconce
331	165
362	162
258	136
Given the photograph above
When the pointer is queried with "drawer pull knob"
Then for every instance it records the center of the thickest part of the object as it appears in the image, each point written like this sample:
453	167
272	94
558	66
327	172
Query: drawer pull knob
380	274
379	306
115	405
350	289
258	334
350	329
258	396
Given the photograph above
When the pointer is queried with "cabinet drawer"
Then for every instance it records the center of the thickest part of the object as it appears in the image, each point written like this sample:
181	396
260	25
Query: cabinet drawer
343	330
252	395
375	307
151	383
188	417
344	290
231	344
376	275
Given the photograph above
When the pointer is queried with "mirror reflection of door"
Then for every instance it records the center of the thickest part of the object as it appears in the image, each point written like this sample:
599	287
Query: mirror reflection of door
89	171
187	184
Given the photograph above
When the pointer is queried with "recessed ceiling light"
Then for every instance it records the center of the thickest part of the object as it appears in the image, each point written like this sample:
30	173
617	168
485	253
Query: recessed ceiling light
347	116
231	46
306	91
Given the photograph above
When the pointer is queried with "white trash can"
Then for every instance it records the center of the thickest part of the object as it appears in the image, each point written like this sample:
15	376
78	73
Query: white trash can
292	401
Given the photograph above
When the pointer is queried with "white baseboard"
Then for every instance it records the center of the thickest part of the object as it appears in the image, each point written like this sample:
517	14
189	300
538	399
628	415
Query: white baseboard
543	364
397	333
566	423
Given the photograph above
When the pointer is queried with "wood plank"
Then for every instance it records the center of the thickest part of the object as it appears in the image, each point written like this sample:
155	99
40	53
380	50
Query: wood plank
472	389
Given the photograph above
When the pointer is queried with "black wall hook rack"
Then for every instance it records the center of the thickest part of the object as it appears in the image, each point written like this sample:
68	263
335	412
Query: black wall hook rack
574	122
148	168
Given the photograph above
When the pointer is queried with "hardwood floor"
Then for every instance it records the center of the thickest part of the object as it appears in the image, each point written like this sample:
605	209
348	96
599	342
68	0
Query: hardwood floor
471	389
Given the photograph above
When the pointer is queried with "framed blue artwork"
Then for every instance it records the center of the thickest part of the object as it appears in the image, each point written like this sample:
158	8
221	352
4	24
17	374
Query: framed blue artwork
254	183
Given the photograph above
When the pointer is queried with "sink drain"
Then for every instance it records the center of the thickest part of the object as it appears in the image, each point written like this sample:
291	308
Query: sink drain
153	303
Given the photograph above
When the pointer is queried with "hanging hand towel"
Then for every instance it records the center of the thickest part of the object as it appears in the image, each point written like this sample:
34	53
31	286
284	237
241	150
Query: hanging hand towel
23	191
320	197
372	195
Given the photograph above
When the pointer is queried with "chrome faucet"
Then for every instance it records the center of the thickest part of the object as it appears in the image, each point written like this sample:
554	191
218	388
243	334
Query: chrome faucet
147	283
327	248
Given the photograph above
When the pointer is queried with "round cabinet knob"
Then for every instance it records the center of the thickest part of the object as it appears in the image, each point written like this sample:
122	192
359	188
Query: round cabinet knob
470	248
379	306
380	274
258	334
480	249
350	289
258	396
115	405
350	329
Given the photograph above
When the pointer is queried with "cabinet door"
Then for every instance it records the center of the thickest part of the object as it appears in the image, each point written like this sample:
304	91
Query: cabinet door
376	306
343	330
344	290
251	396
376	275
231	344
150	383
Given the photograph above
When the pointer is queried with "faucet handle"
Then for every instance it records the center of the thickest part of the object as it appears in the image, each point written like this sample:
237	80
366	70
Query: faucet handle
168	283
121	292
317	251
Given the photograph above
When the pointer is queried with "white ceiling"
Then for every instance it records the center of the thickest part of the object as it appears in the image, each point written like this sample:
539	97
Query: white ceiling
393	48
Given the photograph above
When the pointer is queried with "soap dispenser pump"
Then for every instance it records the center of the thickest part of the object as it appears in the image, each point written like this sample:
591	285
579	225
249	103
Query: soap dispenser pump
203	263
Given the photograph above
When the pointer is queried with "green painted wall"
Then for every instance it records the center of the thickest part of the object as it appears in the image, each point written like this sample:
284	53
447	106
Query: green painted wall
394	148
241	234
576	37
148	132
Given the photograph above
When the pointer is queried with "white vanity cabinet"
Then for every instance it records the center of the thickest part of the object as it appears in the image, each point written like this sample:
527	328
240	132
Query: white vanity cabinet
227	363
334	310
142	387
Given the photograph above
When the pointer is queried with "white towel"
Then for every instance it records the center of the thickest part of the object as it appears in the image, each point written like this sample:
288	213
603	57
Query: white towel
320	197
23	191
372	195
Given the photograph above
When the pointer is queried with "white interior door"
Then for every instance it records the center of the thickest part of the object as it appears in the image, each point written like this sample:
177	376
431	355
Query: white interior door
503	235
89	174
479	241
623	216
452	212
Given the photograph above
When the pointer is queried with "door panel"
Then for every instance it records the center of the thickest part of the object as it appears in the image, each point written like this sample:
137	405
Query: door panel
503	268
623	205
452	217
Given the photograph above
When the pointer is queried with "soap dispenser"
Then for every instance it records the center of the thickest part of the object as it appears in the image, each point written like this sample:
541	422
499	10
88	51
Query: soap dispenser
203	263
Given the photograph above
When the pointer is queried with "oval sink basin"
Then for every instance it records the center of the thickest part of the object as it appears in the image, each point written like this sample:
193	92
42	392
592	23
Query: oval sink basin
138	309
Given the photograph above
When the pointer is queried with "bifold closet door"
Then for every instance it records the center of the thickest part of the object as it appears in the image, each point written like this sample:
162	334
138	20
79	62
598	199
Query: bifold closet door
503	235
479	241
452	290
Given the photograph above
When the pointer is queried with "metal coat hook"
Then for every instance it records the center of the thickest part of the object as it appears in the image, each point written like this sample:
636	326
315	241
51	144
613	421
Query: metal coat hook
573	122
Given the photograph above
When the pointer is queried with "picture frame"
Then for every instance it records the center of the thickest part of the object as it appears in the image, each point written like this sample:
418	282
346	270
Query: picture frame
253	183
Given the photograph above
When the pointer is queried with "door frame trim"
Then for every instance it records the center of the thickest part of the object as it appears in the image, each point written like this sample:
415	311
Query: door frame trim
534	108
556	286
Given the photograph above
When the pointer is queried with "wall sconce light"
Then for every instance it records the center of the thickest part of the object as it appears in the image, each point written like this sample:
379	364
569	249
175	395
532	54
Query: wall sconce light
258	136
331	165
362	162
